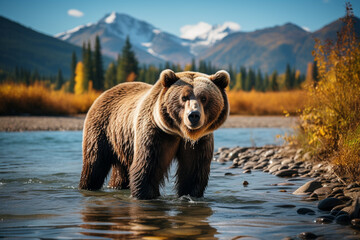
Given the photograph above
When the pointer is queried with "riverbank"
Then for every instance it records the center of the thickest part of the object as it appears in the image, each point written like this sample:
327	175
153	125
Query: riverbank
73	123
338	201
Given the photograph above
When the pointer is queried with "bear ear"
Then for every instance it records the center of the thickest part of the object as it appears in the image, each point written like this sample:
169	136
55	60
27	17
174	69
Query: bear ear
221	79
168	77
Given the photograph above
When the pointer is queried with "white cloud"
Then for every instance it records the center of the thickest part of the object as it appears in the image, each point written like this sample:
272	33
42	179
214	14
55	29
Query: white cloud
306	28
75	13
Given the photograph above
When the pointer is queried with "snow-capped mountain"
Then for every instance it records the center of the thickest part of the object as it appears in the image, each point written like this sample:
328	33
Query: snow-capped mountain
151	45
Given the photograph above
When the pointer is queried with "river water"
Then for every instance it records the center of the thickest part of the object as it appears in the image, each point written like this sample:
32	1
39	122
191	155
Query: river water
40	171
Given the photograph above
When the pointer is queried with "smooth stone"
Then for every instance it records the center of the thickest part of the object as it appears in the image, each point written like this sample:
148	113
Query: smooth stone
286	173
354	209
323	191
307	235
285	184
245	183
304	211
260	166
329	203
287	161
323	220
269	153
229	174
249	165
356	223
247	171
343	219
308	187
274	168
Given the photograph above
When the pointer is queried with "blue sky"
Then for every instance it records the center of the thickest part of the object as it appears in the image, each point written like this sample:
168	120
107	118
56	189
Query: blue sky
51	16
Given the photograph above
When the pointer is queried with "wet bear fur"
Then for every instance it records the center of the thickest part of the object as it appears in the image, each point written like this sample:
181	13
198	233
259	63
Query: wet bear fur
137	130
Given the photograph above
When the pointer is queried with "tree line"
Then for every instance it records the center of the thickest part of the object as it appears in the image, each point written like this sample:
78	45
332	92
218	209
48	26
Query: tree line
89	73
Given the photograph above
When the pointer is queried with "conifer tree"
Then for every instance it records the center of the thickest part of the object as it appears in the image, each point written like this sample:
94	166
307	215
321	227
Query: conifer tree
72	72
266	83
250	80
259	81
98	66
273	82
59	80
243	77
193	65
110	76
128	63
289	77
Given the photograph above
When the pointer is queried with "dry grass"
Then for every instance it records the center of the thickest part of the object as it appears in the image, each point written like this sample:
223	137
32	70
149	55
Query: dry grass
268	103
39	100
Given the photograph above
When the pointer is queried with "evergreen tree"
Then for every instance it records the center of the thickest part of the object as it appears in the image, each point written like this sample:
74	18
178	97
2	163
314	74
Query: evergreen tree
59	80
243	77
232	74
85	66
127	64
98	66
250	80
259	81
72	72
266	84
110	76
289	77
273	83
193	65
202	66
89	63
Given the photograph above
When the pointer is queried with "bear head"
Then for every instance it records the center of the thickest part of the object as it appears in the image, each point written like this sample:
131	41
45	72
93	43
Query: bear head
191	104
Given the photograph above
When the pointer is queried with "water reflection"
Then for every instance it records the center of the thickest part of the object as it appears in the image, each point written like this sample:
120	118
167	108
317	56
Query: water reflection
117	216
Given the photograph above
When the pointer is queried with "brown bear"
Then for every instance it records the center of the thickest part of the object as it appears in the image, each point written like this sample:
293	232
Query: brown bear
137	129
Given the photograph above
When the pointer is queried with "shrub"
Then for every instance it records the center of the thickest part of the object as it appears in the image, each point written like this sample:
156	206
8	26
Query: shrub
331	121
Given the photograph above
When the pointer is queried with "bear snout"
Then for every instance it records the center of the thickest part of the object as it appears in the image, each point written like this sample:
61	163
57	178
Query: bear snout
194	118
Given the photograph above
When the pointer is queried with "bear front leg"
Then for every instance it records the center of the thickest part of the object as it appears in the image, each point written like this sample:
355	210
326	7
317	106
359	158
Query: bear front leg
119	176
153	153
194	166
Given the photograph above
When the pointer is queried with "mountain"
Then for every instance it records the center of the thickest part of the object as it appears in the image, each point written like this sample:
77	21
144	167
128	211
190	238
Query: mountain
23	47
151	45
271	48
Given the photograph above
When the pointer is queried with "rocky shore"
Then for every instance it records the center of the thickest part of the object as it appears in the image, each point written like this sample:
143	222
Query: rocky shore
337	201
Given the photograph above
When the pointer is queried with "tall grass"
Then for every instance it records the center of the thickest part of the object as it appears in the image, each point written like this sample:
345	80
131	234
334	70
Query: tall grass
267	103
36	99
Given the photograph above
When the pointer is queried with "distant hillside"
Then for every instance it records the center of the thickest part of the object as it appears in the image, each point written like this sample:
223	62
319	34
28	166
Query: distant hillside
23	47
271	48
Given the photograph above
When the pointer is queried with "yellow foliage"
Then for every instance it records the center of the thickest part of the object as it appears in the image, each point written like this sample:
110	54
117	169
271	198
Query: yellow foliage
268	103
333	113
80	84
37	99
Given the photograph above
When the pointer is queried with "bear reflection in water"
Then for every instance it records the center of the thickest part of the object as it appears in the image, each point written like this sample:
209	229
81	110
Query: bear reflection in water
133	219
138	129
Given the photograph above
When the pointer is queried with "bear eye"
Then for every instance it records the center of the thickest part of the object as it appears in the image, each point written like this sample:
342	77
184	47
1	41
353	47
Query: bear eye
203	99
184	98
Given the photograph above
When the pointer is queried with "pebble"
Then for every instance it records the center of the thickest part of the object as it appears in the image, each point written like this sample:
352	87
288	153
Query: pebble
286	173
323	191
304	211
245	183
247	171
308	187
229	174
323	220
356	223
307	235
343	219
329	203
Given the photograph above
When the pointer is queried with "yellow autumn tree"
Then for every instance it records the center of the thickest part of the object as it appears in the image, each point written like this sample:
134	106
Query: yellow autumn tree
331	121
80	83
